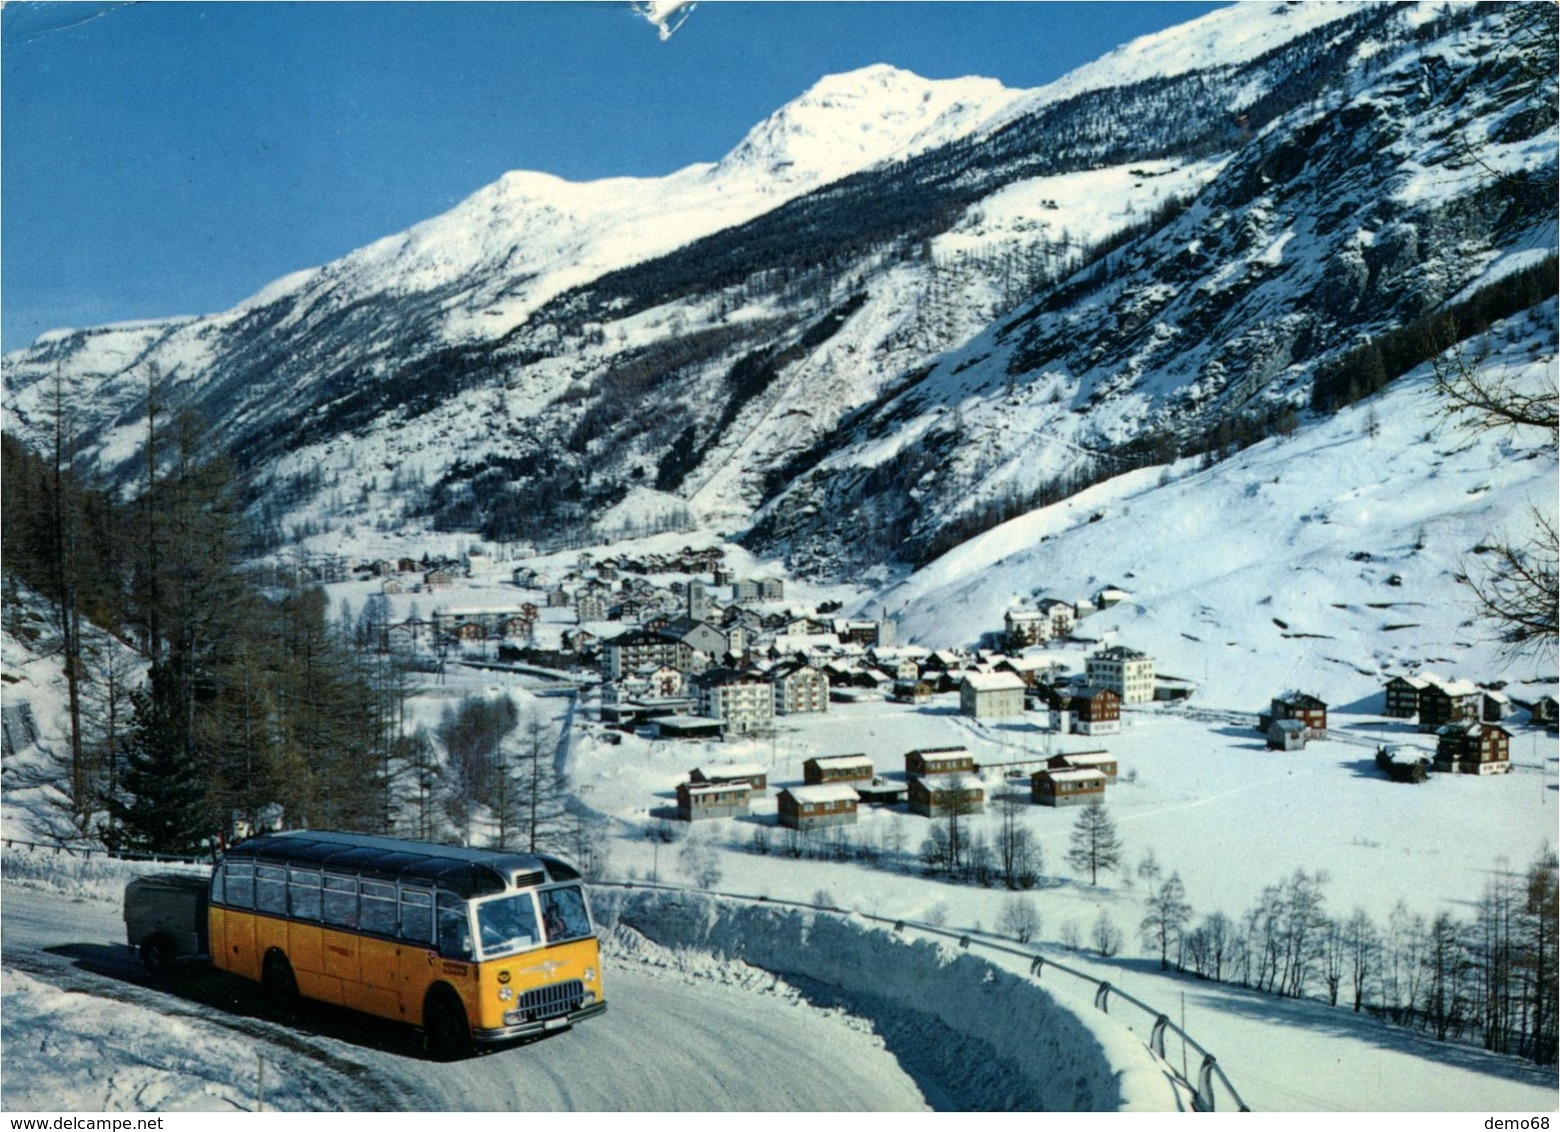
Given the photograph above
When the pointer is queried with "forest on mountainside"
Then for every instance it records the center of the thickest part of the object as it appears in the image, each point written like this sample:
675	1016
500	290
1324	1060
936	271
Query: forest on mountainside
207	696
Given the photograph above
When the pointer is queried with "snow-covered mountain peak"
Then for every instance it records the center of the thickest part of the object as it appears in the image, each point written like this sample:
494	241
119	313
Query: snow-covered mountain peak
850	121
1227	37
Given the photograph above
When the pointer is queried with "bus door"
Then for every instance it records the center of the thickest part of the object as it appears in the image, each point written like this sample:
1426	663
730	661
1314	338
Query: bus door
340	942
378	989
409	965
305	940
233	928
450	959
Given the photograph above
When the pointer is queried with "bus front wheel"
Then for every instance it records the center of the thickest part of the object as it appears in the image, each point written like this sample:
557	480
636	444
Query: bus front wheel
279	985
446	1033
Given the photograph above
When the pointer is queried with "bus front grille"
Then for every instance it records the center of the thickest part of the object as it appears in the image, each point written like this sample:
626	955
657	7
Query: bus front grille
552	1001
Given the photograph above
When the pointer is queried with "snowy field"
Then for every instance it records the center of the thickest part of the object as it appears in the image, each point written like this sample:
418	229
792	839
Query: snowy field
1209	801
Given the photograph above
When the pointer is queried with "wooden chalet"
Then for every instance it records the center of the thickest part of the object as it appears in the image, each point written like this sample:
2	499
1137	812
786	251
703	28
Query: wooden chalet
1096	711
1067	786
1102	761
942	796
938	760
837	768
1451	702
1402	696
1545	710
1497	706
705	801
756	776
1298	706
807	808
1472	747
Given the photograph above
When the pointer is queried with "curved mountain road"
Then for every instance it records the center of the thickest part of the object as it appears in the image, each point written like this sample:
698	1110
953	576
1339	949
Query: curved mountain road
668	1041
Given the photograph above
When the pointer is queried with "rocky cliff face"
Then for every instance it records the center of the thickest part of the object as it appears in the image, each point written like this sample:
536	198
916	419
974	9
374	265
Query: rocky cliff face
860	351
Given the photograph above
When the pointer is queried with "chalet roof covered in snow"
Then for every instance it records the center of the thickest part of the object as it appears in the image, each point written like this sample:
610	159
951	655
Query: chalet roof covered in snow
843	762
1073	774
822	794
721	773
994	681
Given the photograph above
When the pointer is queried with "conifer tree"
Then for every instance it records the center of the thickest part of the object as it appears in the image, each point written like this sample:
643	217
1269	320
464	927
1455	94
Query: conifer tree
1095	846
162	802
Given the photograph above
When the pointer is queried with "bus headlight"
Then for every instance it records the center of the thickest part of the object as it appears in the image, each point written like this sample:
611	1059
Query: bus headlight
505	994
590	974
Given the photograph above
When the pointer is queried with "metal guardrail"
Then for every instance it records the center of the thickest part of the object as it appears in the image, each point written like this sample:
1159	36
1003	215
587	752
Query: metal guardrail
1210	1074
108	854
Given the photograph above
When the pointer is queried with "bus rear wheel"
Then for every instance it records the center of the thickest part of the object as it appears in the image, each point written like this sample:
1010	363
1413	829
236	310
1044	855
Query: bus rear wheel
446	1033
157	955
279	985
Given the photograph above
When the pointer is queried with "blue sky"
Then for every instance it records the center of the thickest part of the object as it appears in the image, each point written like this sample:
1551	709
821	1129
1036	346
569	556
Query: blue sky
173	158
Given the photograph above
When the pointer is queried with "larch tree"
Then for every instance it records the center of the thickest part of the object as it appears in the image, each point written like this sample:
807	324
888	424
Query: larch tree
1095	846
473	733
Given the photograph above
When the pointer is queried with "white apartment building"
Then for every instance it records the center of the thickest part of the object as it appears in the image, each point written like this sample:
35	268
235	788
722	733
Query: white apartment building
801	689
742	701
1127	672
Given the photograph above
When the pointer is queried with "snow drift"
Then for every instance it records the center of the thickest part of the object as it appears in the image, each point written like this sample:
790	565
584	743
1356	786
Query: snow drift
1016	1046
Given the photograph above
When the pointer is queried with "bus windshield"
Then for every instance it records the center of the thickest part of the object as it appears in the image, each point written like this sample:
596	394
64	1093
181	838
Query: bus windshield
507	924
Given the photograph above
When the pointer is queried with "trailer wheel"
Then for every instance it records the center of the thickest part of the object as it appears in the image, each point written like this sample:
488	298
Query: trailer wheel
157	955
279	985
446	1032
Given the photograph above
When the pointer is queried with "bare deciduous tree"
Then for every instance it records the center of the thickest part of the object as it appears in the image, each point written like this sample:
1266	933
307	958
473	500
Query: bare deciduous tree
1491	399
1516	590
1019	918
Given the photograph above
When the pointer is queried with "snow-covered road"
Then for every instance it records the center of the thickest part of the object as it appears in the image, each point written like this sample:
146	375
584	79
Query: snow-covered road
669	1042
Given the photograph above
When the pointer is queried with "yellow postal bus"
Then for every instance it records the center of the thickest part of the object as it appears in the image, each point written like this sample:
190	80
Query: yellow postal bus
470	945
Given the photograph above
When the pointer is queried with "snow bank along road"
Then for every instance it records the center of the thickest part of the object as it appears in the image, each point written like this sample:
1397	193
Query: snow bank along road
686	1030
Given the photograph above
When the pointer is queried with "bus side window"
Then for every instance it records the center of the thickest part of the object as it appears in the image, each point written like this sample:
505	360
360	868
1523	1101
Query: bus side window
341	901
417	915
271	890
454	927
239	884
218	877
303	894
378	908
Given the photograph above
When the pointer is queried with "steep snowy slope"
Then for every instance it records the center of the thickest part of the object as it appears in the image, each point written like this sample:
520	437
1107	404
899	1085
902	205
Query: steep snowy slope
1326	560
911	304
1426	173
